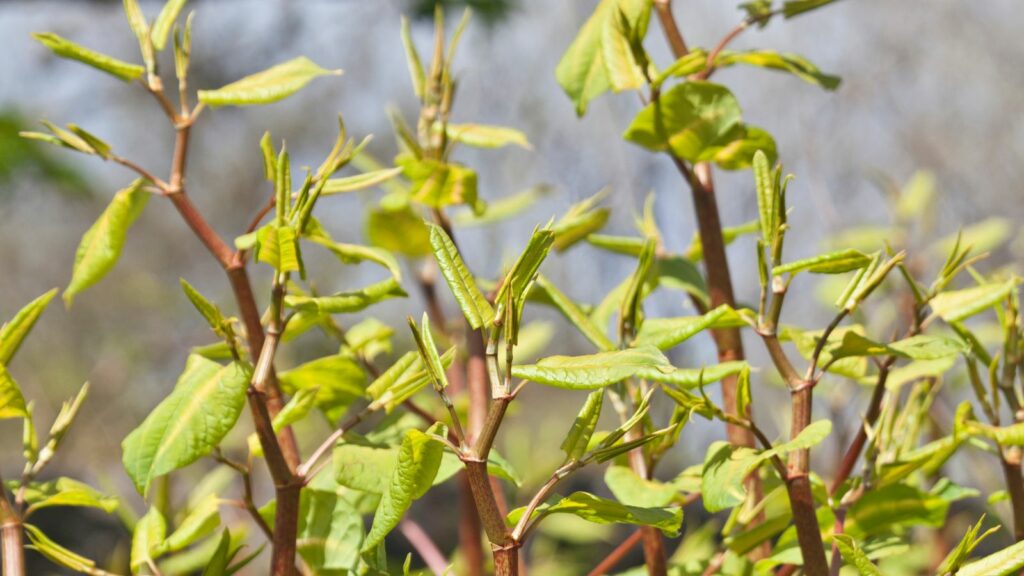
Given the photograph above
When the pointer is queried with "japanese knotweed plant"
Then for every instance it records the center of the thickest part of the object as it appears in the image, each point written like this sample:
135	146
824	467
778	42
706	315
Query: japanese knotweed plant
404	424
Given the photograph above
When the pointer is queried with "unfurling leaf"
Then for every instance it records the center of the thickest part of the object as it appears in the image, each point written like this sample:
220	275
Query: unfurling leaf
189	423
484	136
147	538
956	305
832	263
360	181
271	85
14	331
694	121
578	438
347	302
474	304
593	371
165	21
603	511
855	556
58	554
12	403
102	243
126	71
600	58
796	65
418	462
438	184
665	333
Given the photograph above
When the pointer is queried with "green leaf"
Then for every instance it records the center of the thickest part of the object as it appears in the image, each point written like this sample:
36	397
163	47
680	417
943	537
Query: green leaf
504	207
855	556
210	312
189	423
12	403
726	466
278	246
632	490
165	21
412	60
140	26
521	276
628	245
405	378
438	184
694	377
956	305
694	61
1007	561
68	49
337	380
920	347
792	63
767	198
428	353
574	314
200	522
739	154
418	462
959	555
58	554
401	231
832	263
147	538
603	511
355	253
474	304
484	136
694	121
14	331
359	181
330	531
346	302
593	371
886	508
581	220
102	243
665	333
271	85
792	8
578	438
599	58
66	492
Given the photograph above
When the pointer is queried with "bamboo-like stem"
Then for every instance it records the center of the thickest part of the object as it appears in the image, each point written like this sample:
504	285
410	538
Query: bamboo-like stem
11	536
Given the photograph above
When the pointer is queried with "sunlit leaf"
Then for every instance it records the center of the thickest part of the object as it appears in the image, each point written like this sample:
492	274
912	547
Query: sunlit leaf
271	85
68	49
346	302
14	331
593	371
603	511
694	121
474	304
797	65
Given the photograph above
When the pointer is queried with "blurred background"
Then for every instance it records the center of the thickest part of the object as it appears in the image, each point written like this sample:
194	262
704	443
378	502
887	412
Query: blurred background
933	86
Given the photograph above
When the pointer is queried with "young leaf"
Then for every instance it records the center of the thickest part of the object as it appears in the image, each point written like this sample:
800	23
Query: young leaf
102	243
792	63
956	305
694	121
330	531
418	462
484	136
595	370
739	154
585	71
360	181
920	347
346	302
574	314
412	60
521	275
665	333
12	403
792	8
603	511
474	304
336	381
271	85
959	555
1007	561
632	490
68	49
687	378
14	331
209	311
354	253
428	353
165	21
200	522
855	556
147	538
278	246
832	263
66	492
58	554
401	231
189	423
581	220
578	438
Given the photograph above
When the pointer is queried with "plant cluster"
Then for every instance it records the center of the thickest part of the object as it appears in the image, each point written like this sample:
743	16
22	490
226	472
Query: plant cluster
404	423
